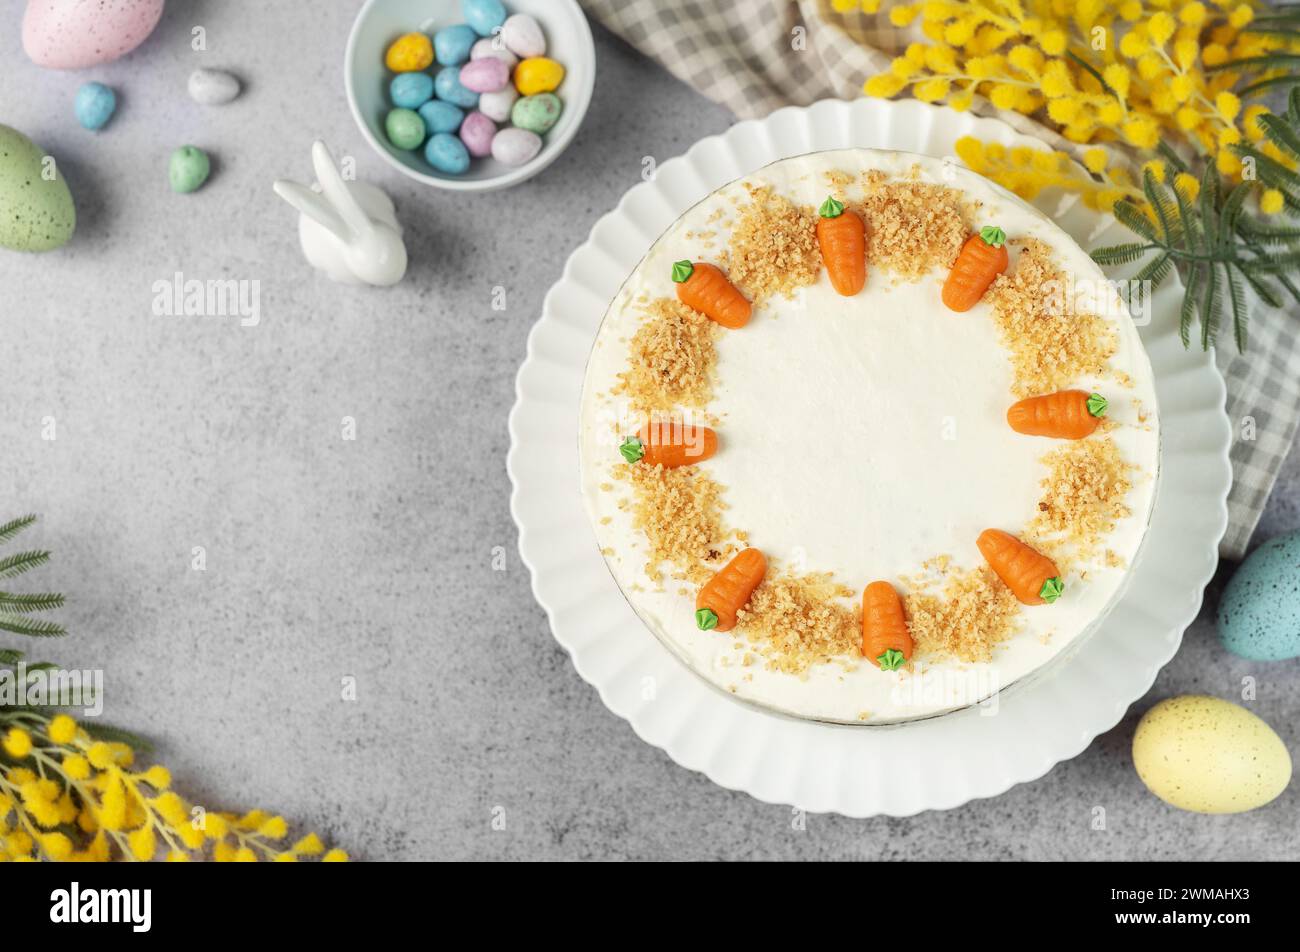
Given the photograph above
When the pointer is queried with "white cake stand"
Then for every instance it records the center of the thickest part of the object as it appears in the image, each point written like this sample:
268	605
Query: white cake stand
856	771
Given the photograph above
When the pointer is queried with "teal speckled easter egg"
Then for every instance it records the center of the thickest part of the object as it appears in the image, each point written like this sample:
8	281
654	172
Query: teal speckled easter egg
38	210
1259	613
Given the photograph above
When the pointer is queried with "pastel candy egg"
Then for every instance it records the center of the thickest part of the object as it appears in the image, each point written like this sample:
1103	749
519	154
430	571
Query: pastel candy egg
404	128
485	75
494	48
409	53
537	74
410	90
447	87
74	34
95	105
537	113
1259	612
1208	755
188	169
452	44
523	36
477	132
447	154
212	87
483	15
38	211
496	106
441	116
515	146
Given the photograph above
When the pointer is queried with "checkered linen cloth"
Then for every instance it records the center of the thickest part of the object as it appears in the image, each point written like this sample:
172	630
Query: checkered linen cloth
736	52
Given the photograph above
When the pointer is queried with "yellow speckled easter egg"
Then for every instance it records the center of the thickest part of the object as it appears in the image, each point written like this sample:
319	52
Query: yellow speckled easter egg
409	53
1208	755
538	74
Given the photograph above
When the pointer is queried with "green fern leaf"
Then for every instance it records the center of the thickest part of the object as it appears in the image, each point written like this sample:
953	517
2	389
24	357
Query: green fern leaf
24	604
1120	254
15	526
1155	271
1259	64
1188	313
107	732
1166	213
1171	156
1280	134
20	562
1267	234
1266	85
10	656
1237	297
1210	304
1261	287
31	627
1134	220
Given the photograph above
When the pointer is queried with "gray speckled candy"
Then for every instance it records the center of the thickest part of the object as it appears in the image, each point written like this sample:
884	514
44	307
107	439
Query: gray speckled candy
38	214
1259	613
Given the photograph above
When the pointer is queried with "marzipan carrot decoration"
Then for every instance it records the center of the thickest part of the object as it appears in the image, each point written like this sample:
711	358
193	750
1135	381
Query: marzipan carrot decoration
1066	414
982	259
1032	577
886	642
843	240
704	287
728	591
670	444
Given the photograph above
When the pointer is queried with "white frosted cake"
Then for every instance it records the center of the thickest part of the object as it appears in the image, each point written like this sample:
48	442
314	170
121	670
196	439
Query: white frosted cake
864	437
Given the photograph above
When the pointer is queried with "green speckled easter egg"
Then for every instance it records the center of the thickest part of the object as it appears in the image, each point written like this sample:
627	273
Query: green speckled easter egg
188	169
36	210
537	113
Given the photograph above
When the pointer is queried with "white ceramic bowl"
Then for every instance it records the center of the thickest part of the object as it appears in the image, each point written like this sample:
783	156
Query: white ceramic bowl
568	41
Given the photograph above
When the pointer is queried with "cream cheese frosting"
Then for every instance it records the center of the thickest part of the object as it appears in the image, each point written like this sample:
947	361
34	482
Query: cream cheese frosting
861	436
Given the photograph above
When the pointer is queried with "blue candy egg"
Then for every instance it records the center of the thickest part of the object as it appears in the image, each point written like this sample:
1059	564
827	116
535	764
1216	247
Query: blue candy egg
448	87
483	15
441	116
1259	613
410	90
95	105
447	154
451	45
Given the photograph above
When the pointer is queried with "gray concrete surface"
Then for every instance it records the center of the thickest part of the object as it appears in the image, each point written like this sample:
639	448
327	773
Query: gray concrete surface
372	558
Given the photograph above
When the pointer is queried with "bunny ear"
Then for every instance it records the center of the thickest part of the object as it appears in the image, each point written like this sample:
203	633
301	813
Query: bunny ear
336	190
313	206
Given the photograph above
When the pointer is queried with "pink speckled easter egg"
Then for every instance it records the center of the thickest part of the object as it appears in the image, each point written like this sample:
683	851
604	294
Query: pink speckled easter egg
74	34
486	75
476	132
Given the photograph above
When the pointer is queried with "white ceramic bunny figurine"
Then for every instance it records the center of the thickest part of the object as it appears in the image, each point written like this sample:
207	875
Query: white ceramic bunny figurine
349	230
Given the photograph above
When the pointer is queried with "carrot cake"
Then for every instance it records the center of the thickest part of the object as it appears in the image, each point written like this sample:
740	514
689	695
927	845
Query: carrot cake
867	439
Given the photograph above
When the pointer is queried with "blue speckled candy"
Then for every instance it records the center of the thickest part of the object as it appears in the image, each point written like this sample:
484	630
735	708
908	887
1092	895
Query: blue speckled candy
447	154
1259	613
95	105
448	88
441	116
410	90
451	45
483	15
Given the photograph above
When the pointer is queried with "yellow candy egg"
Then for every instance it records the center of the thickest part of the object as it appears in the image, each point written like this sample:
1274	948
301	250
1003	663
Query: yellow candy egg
1208	755
538	74
409	53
